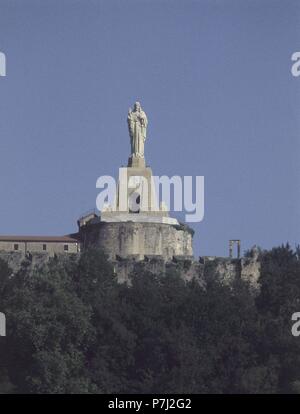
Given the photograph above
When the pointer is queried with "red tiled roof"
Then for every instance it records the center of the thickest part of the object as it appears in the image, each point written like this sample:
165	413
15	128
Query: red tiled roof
49	239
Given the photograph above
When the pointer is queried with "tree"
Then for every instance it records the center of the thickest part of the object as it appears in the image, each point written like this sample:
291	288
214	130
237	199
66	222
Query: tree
278	300
72	328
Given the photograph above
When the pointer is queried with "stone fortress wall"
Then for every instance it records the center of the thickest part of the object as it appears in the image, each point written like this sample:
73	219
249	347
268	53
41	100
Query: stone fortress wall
138	240
226	269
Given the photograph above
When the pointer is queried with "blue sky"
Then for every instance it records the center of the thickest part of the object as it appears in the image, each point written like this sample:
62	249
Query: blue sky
214	79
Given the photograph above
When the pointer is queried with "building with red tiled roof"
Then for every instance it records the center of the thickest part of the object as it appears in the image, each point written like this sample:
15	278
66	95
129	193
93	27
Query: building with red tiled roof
39	244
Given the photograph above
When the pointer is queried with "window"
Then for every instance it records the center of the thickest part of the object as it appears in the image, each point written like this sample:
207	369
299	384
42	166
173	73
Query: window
16	247
66	247
44	247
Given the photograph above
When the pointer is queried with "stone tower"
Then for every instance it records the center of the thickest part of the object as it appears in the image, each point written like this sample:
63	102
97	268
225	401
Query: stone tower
136	226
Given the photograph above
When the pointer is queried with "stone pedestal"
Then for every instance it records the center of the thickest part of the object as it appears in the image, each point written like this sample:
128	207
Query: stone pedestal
136	195
136	162
135	235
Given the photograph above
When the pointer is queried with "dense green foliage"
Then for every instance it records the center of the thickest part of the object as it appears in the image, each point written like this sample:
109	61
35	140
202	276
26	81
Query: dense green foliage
71	328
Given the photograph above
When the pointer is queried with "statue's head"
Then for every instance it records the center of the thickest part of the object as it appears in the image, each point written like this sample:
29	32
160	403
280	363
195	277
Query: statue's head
137	106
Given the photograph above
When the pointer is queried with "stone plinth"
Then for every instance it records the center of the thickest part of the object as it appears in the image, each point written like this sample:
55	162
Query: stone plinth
154	217
135	196
136	162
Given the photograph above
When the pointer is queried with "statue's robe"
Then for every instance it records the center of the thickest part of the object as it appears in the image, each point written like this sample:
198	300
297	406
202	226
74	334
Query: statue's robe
137	122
